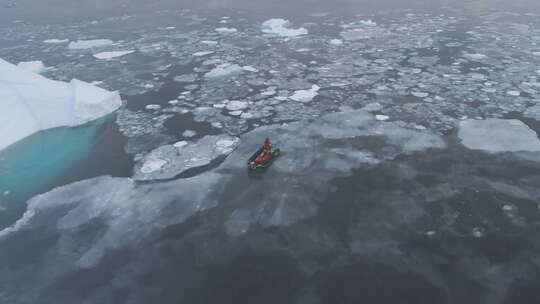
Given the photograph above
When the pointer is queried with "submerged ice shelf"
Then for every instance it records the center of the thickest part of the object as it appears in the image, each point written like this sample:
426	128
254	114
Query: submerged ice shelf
31	102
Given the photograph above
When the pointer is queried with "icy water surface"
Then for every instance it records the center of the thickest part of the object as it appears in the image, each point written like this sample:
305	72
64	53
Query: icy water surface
379	195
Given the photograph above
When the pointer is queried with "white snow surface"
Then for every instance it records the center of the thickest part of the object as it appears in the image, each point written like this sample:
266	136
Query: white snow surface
31	103
280	27
112	54
89	44
33	66
498	135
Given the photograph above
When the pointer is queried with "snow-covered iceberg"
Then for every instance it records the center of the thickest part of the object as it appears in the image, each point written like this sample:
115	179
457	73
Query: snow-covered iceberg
30	103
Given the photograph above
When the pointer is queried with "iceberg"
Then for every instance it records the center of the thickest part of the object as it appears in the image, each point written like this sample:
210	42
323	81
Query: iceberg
88	44
279	27
498	135
31	103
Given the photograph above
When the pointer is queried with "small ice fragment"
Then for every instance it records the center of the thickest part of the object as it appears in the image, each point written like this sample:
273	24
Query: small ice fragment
55	41
153	107
420	94
416	71
279	27
381	117
305	96
235	105
200	54
236	113
180	144
110	55
430	233
368	22
189	133
173	102
507	207
475	56
477	232
336	41
226	30
224	70
246	115
209	42
249	69
513	93
88	44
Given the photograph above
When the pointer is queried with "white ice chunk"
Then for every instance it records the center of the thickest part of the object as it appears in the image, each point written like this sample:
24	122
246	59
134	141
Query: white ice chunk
475	56
153	107
498	135
381	117
55	41
420	94
513	93
250	69
88	44
235	105
31	102
224	69
200	54
113	54
189	133
306	95
336	41
226	30
279	27
180	144
33	66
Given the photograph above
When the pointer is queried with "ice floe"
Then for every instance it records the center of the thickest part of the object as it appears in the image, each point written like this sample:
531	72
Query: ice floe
280	27
224	69
55	41
89	44
498	135
226	30
306	95
113	54
31	102
171	160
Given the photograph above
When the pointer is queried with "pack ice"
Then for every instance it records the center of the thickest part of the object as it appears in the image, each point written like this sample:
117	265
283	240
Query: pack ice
31	102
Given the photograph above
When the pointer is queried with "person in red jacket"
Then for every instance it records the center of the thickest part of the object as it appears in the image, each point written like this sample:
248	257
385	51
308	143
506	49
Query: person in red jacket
266	152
